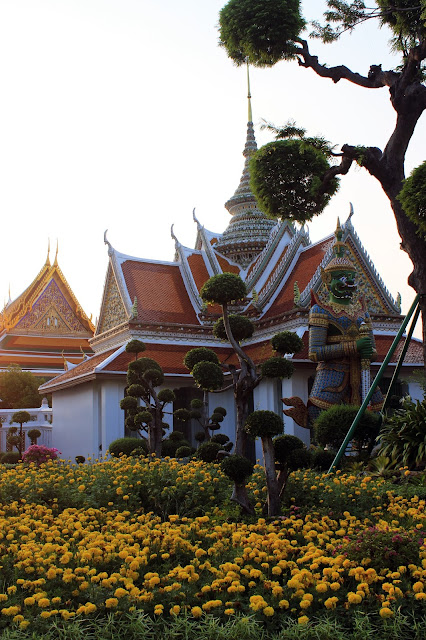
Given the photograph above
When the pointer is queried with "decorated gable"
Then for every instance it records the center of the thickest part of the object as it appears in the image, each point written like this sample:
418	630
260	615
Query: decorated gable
113	311
51	313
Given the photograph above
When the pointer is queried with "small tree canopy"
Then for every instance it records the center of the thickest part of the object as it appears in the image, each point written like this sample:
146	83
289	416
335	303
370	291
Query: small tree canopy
286	177
21	417
237	468
277	368
208	376
263	30
413	198
135	390
242	328
129	402
166	395
263	424
284	446
182	414
199	354
287	342
221	410
19	389
135	346
143	417
223	289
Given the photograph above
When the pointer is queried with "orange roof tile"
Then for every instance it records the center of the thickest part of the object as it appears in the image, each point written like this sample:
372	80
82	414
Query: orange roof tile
198	269
161	292
84	368
226	266
308	262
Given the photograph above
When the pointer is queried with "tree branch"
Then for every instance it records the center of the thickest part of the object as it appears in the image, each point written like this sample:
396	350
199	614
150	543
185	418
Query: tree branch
375	80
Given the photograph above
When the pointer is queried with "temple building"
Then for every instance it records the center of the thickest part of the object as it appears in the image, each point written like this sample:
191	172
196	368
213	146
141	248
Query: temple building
159	303
45	329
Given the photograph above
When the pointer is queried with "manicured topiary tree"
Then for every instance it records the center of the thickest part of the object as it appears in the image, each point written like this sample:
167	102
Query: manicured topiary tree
331	427
238	469
224	289
126	446
33	435
204	366
21	417
290	453
144	405
266	425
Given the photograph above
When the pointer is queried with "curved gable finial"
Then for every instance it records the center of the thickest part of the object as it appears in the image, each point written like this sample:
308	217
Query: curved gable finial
172	233
106	241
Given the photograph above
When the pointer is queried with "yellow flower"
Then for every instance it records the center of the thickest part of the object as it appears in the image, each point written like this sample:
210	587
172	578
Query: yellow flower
385	612
303	620
229	612
158	609
174	611
197	612
24	624
418	586
268	612
110	603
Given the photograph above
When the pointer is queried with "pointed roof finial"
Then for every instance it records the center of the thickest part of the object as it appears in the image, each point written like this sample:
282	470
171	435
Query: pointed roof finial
250	114
172	233
55	262
47	263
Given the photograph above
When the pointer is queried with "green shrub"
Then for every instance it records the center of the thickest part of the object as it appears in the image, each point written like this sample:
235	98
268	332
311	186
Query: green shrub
237	468
176	436
208	375
263	423
220	438
332	426
322	459
126	446
403	436
286	342
184	451
223	288
241	327
33	435
285	446
193	357
10	457
207	452
277	367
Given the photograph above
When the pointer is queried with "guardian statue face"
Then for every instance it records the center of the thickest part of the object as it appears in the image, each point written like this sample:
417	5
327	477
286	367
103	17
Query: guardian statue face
342	285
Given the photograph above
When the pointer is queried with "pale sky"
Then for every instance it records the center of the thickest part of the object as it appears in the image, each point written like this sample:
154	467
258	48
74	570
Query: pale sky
125	115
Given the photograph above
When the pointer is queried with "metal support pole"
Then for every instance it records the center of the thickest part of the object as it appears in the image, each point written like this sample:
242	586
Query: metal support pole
373	386
402	356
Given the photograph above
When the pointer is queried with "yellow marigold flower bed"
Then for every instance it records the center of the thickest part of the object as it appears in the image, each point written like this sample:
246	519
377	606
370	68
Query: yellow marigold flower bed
97	561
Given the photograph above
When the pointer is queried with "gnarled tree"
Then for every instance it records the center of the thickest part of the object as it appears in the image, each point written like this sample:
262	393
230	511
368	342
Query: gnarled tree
267	31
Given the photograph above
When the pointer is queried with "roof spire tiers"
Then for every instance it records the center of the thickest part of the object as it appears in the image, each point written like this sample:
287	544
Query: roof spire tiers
249	230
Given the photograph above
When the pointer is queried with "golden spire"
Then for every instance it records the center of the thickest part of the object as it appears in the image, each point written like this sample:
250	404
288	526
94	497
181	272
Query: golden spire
47	263
250	115
55	263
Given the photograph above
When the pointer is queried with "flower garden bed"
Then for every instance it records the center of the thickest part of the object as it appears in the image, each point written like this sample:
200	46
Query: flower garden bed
148	545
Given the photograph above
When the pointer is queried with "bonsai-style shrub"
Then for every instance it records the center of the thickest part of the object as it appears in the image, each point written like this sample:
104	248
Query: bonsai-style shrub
207	452
170	445
136	347
126	446
242	328
184	451
199	354
413	198
10	457
33	435
332	426
143	376
239	469
322	459
264	31
286	342
287	450
266	425
277	367
223	289
21	417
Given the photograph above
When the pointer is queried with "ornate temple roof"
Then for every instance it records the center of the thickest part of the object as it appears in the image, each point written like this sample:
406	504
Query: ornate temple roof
45	324
249	230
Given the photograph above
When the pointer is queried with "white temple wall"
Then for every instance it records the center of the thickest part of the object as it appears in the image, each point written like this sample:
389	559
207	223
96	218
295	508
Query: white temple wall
111	423
76	421
415	391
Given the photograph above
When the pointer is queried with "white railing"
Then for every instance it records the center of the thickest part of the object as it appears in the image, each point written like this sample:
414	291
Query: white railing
41	419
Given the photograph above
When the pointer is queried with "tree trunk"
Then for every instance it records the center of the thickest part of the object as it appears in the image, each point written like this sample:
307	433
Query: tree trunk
241	403
274	503
239	495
